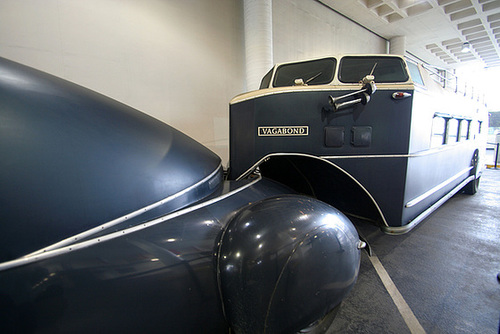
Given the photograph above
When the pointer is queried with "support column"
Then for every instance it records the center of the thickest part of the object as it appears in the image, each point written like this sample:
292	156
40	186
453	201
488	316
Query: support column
258	40
397	45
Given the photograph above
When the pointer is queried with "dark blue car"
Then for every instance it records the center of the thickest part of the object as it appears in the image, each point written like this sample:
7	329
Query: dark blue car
112	221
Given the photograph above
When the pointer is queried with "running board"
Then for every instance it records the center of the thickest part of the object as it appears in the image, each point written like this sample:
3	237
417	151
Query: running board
395	230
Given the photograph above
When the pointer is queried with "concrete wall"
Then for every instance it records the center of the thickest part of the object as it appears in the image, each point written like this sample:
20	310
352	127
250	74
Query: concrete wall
180	61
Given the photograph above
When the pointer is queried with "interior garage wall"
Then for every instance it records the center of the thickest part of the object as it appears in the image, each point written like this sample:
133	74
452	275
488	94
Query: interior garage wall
180	61
307	29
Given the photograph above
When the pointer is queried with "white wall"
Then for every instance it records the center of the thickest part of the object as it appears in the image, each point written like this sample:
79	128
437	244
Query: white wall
307	29
180	61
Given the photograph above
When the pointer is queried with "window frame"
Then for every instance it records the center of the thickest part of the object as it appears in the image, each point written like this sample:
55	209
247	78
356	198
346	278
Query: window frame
402	64
280	68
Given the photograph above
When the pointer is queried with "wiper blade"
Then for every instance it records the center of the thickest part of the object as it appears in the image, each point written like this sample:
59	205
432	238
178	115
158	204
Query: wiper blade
314	77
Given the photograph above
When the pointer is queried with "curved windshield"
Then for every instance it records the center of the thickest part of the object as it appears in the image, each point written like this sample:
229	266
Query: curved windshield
385	69
314	72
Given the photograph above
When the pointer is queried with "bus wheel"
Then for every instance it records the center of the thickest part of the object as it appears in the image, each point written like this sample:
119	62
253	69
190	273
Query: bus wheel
472	187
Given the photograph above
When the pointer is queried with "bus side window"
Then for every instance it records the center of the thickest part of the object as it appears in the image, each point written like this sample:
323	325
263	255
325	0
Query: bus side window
464	130
415	73
452	131
438	131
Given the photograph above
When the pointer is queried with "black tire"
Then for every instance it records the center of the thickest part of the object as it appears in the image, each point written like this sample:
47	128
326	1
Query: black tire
472	187
322	325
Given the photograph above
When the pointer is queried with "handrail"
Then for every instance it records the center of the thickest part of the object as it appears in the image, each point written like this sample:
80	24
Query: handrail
448	79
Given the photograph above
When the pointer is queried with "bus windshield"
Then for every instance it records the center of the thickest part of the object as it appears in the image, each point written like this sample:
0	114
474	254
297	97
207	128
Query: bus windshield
385	69
314	72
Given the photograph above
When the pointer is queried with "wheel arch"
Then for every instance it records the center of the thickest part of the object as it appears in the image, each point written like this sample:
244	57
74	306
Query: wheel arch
322	179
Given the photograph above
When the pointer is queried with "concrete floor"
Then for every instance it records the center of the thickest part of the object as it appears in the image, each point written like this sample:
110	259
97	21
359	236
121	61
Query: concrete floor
445	271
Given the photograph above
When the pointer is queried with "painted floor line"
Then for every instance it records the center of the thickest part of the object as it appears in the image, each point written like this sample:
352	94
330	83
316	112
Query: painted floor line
406	312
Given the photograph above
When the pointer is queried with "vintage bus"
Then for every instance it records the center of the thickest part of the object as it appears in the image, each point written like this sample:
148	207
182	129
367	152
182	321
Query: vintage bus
376	136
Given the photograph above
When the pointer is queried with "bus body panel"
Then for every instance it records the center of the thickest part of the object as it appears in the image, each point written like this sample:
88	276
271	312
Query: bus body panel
407	145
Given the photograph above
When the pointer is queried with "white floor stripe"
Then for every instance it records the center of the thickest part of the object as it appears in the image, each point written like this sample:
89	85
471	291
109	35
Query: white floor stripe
404	309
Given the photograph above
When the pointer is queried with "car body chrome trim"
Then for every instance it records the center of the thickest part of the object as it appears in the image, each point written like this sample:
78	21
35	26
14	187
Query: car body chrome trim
316	88
38	256
440	186
395	230
401	155
126	217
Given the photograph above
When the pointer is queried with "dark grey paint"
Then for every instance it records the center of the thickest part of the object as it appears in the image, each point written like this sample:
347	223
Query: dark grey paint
72	159
266	268
380	127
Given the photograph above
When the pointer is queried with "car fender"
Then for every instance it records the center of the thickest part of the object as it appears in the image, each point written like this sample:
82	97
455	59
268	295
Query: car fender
284	263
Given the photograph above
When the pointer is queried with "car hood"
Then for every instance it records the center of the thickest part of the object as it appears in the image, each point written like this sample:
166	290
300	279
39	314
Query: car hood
72	160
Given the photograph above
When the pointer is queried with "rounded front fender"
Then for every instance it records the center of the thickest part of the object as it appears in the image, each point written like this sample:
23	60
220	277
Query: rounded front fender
284	263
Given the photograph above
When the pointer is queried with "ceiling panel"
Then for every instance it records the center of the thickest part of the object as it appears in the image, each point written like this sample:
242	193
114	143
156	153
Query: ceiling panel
435	30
